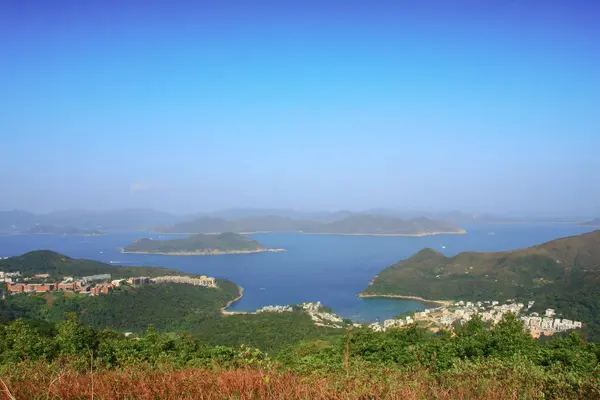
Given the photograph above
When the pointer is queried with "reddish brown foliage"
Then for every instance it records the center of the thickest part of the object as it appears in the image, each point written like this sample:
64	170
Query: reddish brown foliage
239	384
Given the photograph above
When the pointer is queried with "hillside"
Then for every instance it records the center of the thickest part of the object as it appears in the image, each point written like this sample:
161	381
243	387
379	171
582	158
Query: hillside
563	274
594	223
368	224
170	307
41	229
200	244
58	265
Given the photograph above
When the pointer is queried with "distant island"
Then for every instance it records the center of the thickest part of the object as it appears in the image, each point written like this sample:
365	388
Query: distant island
593	223
380	225
200	245
563	274
360	224
60	230
243	225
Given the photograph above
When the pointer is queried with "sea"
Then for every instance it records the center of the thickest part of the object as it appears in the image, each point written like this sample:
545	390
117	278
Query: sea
332	269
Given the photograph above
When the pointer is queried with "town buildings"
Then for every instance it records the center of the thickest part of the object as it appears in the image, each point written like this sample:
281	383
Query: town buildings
85	285
446	317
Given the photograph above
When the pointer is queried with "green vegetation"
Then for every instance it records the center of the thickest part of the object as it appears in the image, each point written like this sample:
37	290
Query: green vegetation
476	363
61	230
383	225
563	274
223	242
169	307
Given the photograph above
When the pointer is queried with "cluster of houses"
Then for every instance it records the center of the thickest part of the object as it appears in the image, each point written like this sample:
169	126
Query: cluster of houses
83	285
316	312
203	280
8	277
93	285
489	311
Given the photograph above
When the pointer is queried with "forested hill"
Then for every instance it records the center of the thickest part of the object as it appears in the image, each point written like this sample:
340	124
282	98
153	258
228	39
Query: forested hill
562	274
59	265
224	242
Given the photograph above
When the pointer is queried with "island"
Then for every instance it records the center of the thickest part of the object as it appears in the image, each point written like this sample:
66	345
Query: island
357	224
563	274
242	225
41	229
381	225
199	245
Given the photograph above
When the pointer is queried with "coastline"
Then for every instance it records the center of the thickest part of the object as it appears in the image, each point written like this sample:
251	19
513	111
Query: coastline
224	310
461	232
398	296
206	252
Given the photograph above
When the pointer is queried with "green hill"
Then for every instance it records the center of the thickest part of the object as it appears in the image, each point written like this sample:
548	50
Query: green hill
202	244
58	265
367	224
563	274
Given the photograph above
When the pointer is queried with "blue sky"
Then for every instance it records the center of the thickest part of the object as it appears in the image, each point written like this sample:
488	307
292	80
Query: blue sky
191	106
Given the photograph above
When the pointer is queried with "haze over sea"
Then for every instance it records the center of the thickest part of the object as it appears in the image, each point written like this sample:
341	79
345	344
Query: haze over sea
328	268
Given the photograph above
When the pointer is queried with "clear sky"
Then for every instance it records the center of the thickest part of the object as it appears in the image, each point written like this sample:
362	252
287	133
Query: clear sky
482	106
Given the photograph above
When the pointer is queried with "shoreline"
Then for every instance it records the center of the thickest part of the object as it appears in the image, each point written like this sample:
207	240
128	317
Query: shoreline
206	252
460	232
224	310
398	296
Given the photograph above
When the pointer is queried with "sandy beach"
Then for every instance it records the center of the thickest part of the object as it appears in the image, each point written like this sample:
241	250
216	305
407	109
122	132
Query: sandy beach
397	296
230	302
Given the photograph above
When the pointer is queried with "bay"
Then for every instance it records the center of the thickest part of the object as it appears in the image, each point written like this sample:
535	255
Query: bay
332	269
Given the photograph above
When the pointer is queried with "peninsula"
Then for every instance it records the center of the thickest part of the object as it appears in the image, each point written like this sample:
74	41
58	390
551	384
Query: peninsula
563	274
199	245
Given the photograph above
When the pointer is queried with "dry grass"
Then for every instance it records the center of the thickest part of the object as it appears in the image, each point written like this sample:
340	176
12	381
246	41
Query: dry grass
41	382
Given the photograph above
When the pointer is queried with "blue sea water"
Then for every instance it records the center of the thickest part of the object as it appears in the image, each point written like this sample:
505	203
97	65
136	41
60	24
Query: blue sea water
329	268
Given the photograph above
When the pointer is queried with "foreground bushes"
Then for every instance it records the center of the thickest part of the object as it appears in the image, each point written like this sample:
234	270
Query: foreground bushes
475	362
485	381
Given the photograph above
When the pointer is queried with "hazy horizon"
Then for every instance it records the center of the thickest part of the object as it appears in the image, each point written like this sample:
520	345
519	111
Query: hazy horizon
432	106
